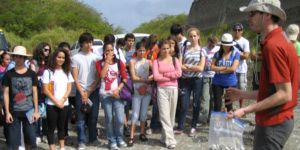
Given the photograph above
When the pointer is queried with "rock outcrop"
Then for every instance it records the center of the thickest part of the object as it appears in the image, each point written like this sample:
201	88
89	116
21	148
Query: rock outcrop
207	14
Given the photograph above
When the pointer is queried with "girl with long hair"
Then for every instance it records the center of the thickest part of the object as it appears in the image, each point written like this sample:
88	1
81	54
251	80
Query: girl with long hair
224	63
192	60
139	69
165	72
109	69
57	84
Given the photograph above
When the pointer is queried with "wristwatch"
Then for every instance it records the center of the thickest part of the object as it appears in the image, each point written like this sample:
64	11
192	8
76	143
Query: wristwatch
190	66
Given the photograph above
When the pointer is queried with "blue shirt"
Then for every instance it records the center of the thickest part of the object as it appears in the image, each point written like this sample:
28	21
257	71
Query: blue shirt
226	79
128	55
12	64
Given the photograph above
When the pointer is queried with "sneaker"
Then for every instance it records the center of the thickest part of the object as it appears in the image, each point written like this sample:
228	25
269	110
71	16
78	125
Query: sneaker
122	144
178	132
114	147
201	124
44	139
97	143
81	146
172	146
149	131
38	140
193	132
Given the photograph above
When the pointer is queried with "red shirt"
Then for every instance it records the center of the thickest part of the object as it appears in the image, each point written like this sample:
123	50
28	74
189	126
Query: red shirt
279	64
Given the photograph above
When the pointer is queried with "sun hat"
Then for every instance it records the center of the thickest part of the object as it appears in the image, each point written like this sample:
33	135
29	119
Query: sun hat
19	50
227	40
268	6
292	32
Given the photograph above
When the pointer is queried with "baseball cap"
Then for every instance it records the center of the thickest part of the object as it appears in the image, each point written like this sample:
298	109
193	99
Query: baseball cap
292	32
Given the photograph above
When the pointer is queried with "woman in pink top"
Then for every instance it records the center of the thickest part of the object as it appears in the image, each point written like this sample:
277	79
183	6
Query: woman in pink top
166	73
5	59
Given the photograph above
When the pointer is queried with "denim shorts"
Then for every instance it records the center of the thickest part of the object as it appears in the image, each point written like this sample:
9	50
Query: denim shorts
14	132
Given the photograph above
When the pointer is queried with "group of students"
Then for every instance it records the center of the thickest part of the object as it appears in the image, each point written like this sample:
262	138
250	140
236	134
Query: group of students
176	65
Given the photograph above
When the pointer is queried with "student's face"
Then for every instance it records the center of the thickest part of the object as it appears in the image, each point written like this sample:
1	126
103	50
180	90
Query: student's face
129	42
6	60
60	58
19	60
177	37
226	48
193	36
172	42
109	50
67	49
87	45
46	50
165	50
121	47
141	52
210	45
237	32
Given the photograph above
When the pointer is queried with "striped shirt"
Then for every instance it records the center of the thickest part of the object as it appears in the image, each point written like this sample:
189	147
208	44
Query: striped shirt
191	58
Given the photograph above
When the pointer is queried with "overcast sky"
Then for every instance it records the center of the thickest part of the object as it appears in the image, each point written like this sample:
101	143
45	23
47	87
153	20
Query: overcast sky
129	14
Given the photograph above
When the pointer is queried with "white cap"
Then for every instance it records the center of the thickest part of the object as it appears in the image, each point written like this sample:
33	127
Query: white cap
292	32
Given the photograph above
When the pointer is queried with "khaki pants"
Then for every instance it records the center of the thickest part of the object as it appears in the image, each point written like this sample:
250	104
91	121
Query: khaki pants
167	101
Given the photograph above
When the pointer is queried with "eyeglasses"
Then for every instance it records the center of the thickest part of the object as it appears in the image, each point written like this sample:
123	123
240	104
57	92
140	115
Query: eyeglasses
237	30
252	13
46	50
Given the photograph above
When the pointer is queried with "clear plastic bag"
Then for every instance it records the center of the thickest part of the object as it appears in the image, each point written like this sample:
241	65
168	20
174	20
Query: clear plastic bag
225	134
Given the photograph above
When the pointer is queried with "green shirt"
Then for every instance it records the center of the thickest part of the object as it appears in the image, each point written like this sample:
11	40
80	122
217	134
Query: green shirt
297	46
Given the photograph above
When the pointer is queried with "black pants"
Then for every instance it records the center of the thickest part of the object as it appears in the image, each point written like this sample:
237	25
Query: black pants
218	92
56	118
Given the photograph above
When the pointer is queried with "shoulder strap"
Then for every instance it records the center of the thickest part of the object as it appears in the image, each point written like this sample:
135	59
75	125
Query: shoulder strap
185	42
173	60
149	56
237	45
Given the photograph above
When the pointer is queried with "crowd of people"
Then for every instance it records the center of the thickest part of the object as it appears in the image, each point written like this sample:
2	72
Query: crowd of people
162	73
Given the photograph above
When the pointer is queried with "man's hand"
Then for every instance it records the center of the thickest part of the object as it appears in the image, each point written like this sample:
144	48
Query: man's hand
233	94
237	114
84	98
9	118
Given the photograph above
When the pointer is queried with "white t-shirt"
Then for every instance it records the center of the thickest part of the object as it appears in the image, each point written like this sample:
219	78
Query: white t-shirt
180	44
244	44
209	57
99	53
85	63
60	83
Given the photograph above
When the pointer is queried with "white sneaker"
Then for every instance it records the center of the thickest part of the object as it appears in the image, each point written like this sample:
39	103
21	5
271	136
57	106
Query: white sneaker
81	146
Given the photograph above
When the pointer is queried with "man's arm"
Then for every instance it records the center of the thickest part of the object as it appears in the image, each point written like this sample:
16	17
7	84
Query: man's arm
244	55
283	95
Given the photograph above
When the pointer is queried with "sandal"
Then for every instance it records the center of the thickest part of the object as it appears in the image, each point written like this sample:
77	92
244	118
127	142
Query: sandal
143	137
130	144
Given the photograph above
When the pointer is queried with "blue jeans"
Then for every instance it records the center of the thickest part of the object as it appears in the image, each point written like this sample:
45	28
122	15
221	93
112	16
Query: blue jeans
189	85
140	106
92	117
14	132
112	106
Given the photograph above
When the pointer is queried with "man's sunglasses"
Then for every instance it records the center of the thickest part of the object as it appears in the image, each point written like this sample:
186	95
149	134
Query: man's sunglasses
237	30
252	13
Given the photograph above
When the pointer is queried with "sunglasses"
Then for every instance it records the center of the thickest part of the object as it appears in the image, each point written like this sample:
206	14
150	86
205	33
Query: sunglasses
237	30
252	13
46	50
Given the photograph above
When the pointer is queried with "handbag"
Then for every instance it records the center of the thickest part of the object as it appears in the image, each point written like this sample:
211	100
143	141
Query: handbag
127	91
50	85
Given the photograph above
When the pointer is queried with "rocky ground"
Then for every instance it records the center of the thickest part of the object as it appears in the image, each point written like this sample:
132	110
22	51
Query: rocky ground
199	142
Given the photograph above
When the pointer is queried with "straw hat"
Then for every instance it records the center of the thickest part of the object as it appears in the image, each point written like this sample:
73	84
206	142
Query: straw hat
227	40
19	50
268	6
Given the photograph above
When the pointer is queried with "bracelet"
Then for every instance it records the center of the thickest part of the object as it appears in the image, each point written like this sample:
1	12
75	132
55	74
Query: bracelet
190	66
